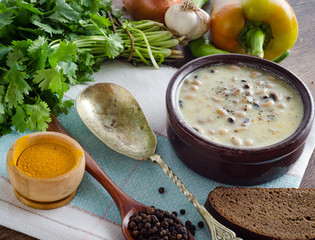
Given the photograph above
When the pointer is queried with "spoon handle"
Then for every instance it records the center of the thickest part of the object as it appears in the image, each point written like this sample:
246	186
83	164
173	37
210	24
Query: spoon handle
122	200
217	230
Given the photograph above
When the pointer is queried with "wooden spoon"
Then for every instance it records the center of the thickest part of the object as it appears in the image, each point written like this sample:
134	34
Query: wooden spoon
126	205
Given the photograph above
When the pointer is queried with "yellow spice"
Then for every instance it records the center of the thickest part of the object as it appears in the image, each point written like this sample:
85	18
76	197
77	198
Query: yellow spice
46	160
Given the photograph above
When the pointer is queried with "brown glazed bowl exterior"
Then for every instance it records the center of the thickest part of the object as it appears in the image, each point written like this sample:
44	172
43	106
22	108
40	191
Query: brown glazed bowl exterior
231	165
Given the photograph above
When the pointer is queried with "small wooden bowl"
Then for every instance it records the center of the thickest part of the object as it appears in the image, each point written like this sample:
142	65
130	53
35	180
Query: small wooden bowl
45	193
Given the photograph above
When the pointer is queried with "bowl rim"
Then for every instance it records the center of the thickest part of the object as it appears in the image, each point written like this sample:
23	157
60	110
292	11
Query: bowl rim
298	84
76	168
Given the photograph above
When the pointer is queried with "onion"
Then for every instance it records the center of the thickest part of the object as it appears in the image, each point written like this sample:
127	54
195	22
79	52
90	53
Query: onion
149	9
187	20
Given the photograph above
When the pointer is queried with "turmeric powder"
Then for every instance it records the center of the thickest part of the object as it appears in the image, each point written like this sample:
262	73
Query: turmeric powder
46	160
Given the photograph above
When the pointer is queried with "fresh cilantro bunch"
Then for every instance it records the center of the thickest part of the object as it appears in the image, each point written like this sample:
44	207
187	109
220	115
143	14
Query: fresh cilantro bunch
48	45
33	75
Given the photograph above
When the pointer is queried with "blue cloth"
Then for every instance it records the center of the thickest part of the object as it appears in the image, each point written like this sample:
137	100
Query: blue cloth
139	179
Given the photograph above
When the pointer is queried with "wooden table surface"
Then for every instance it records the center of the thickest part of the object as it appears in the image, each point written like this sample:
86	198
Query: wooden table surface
301	62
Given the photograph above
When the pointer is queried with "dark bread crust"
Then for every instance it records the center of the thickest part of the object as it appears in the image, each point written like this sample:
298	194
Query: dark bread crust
265	213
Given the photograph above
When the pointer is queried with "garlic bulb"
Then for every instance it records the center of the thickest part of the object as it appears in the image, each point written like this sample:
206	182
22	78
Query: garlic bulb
187	20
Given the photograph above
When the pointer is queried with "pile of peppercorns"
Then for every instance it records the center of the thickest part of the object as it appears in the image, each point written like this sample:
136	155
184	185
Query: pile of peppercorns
156	224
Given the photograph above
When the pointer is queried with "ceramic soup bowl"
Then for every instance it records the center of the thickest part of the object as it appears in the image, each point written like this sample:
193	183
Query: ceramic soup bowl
231	159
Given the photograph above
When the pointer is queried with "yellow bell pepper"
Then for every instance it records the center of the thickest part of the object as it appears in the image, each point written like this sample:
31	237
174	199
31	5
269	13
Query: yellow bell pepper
263	28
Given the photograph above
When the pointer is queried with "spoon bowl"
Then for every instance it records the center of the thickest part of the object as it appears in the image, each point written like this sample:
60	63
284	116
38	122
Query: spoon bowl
116	118
106	109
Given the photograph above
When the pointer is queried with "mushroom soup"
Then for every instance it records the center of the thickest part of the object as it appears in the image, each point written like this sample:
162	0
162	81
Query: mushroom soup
239	105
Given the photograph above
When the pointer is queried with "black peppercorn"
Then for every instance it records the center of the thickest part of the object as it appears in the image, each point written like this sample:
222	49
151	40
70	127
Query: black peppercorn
147	225
138	218
161	190
132	224
181	229
188	223
140	225
150	210
230	120
170	221
190	227
273	96
135	233
256	105
182	211
201	224
164	224
153	230
162	233
181	103
143	231
154	218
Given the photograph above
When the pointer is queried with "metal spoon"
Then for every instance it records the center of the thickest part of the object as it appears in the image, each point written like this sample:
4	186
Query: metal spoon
126	205
116	118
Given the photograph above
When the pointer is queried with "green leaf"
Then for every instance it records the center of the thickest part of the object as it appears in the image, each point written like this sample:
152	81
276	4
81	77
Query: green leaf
3	120
51	79
37	45
65	52
17	76
62	107
17	85
6	15
39	115
86	61
22	45
13	57
76	6
106	4
30	7
45	27
39	51
114	45
64	13
69	68
84	77
19	120
5	128
13	96
4	50
18	54
36	32
2	97
3	106
101	21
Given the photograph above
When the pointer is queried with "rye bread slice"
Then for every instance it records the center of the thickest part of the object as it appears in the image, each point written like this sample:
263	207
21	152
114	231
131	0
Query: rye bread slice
265	213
